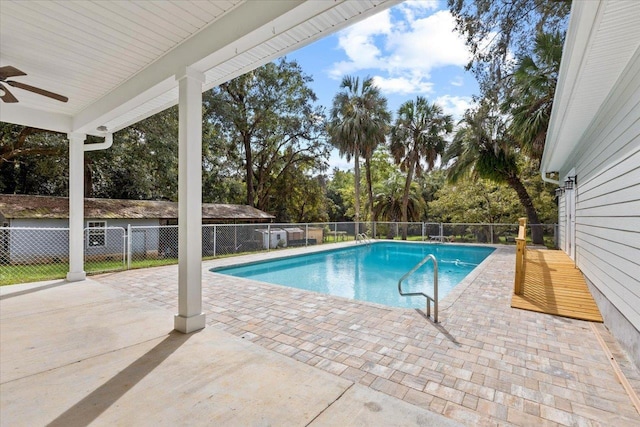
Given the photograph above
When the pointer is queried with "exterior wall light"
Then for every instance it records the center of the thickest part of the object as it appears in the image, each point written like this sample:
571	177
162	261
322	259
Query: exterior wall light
568	184
559	191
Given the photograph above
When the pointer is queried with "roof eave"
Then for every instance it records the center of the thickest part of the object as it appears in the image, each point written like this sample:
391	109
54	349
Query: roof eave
577	43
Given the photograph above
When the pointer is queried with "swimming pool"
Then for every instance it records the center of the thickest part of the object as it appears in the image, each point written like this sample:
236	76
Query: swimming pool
369	272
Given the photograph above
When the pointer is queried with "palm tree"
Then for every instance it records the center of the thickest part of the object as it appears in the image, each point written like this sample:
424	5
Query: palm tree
359	123
483	148
418	134
533	85
389	200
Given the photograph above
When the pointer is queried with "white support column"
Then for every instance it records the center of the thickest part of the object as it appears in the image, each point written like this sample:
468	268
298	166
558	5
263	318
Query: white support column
76	207
190	316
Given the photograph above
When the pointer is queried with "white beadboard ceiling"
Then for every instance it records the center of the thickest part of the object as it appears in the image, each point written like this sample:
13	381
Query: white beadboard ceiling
116	61
602	38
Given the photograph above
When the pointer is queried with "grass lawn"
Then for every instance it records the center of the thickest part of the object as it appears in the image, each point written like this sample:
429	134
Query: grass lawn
14	274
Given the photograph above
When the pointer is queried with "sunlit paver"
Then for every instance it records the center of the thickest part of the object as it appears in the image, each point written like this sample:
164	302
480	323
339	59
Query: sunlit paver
483	364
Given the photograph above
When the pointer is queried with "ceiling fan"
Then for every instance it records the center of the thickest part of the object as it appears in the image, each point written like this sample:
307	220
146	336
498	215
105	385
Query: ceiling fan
7	96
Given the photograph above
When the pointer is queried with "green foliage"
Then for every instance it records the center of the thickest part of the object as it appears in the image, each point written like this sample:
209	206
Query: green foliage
304	201
265	119
32	161
495	29
477	200
358	124
483	148
142	163
388	201
530	93
418	134
340	198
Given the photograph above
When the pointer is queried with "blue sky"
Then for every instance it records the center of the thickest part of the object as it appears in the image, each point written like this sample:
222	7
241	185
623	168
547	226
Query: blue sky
410	50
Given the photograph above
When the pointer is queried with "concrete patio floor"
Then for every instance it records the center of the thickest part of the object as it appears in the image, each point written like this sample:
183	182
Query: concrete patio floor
82	353
102	350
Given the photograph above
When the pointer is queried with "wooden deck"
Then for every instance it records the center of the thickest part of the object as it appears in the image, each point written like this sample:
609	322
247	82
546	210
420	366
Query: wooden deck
553	285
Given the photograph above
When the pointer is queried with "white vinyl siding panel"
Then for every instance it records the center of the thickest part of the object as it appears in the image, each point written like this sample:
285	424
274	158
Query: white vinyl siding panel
608	197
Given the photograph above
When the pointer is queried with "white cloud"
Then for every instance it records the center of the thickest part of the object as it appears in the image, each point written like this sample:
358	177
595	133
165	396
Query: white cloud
412	7
457	81
454	105
405	49
403	85
359	45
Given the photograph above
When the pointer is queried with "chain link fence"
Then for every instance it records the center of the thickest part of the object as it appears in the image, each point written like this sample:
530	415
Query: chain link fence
33	254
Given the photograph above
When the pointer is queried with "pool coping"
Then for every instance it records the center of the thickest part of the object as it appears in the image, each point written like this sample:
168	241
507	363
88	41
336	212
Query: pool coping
454	294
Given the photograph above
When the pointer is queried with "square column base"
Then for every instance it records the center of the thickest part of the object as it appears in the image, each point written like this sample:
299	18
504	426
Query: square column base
76	276
187	325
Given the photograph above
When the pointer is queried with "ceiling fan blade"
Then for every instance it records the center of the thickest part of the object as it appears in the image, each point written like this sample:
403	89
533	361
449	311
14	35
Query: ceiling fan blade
7	96
9	71
38	90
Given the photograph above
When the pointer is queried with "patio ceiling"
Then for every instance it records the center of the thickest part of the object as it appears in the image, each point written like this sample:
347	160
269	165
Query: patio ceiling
116	61
602	39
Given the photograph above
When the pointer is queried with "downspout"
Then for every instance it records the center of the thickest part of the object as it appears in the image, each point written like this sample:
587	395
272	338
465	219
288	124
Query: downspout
545	178
108	142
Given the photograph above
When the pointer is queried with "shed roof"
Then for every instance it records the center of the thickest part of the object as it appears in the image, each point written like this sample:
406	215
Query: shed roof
13	206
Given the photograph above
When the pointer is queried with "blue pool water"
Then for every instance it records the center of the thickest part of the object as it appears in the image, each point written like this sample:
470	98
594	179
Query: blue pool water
369	272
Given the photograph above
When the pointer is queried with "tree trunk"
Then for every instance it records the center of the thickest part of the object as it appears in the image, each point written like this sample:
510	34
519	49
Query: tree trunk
88	177
405	200
532	216
367	164
248	170
356	203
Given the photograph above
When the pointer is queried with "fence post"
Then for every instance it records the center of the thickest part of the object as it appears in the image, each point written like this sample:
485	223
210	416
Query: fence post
235	238
129	237
441	235
215	239
491	232
306	235
521	247
335	232
375	235
268	237
423	227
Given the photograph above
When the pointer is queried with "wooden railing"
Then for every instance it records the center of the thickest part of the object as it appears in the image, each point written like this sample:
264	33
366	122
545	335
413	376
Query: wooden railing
521	250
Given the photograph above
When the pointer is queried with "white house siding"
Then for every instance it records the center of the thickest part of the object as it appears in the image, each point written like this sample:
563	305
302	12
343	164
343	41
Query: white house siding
33	245
48	239
608	208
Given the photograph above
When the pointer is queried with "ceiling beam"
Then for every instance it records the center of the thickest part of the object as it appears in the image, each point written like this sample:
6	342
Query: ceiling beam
17	114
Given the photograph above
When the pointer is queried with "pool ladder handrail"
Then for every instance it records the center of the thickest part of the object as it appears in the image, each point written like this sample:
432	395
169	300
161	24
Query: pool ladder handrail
435	286
363	238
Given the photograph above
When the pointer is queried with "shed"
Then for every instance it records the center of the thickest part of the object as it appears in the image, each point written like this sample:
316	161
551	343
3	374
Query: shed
106	224
272	238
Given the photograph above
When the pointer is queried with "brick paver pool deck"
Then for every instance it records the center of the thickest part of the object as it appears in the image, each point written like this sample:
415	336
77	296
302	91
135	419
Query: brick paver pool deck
485	363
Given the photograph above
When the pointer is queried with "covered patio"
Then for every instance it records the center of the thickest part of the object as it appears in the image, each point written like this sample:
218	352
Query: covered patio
120	62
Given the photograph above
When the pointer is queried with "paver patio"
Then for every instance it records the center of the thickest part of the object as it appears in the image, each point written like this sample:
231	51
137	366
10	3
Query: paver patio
485	363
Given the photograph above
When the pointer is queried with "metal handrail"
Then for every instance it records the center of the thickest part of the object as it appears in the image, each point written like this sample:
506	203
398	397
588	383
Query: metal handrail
435	286
363	237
